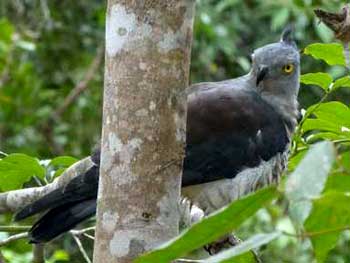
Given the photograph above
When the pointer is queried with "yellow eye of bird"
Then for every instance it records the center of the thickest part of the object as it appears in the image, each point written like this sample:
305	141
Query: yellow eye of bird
288	68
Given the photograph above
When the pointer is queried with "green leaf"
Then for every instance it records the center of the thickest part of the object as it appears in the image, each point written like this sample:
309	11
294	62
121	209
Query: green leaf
320	79
334	111
331	116
308	179
344	160
252	243
63	161
6	31
211	228
322	125
16	169
342	82
338	182
330	213
332	53
295	160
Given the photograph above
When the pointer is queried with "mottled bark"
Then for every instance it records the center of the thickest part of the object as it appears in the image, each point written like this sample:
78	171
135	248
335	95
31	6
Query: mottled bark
147	64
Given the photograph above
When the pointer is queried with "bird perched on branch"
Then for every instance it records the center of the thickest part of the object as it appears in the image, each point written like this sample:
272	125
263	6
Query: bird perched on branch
238	135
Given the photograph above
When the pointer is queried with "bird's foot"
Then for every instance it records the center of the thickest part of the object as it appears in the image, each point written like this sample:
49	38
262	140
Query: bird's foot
222	244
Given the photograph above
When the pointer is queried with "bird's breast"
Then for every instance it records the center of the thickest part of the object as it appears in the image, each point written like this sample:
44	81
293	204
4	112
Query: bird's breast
214	195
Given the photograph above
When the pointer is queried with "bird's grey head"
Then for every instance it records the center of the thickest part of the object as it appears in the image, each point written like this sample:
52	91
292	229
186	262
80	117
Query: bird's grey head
276	68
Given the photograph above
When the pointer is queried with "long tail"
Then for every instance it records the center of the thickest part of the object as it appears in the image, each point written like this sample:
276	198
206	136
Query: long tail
67	207
81	188
60	220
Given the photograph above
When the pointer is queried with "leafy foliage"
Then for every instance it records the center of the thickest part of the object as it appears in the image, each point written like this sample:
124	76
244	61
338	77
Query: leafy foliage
332	53
308	180
16	169
320	79
330	215
45	50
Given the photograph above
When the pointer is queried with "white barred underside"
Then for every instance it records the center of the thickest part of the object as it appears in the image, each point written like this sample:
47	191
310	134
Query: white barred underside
212	196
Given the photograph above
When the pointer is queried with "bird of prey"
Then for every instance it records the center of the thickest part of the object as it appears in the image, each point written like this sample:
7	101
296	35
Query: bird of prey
238	136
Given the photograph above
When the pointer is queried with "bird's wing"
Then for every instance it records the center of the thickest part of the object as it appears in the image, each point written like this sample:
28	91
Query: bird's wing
229	128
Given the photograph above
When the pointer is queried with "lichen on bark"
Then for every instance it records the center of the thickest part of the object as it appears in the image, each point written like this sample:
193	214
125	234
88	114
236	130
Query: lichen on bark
147	68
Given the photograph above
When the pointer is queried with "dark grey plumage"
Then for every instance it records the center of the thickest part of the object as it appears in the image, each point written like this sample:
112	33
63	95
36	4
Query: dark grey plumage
238	133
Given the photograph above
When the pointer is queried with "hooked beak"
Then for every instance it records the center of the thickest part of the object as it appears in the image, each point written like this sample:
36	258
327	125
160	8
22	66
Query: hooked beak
262	72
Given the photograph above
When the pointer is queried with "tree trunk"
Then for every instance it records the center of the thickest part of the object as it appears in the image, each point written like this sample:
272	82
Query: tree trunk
147	67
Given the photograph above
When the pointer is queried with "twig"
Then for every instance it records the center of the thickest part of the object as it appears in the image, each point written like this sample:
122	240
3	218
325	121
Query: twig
317	233
12	201
79	232
38	253
81	248
14	229
13	238
184	260
297	133
89	236
82	85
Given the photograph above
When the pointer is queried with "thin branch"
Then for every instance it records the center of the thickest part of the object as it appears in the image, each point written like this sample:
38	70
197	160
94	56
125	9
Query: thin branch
81	248
297	133
184	260
78	232
81	86
89	236
12	201
14	229
38	253
13	238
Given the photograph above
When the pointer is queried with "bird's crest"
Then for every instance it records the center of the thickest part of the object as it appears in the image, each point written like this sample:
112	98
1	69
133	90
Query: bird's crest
287	35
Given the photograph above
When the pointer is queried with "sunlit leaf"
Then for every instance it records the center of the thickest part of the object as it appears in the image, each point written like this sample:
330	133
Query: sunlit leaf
320	79
322	125
331	117
6	31
16	169
338	182
63	161
332	53
342	82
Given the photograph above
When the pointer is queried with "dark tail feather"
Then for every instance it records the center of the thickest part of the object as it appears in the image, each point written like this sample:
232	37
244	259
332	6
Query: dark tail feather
81	187
60	220
51	200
